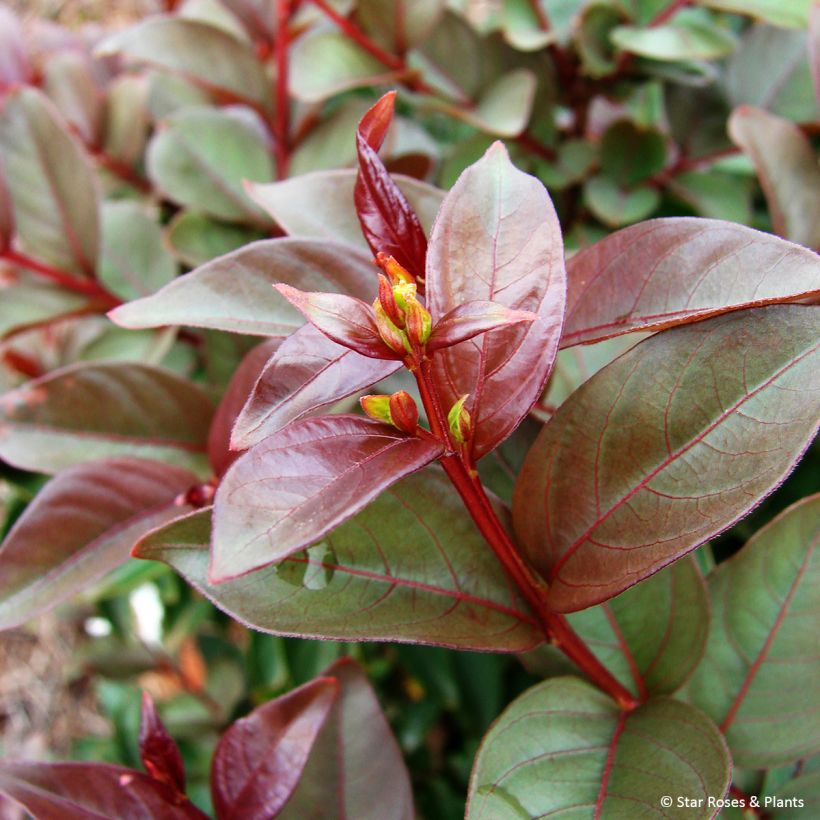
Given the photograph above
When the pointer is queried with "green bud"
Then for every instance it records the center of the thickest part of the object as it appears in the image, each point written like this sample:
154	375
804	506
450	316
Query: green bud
461	425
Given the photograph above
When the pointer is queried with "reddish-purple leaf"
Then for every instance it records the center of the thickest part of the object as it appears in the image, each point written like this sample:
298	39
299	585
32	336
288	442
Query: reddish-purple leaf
355	769
666	447
308	372
471	319
497	238
159	753
294	487
260	758
389	223
219	439
15	67
344	319
80	526
668	272
92	791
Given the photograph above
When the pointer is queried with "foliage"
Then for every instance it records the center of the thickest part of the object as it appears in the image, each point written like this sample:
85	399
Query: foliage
592	355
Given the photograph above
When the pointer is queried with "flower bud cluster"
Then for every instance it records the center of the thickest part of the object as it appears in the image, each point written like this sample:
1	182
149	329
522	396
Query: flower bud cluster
399	410
403	322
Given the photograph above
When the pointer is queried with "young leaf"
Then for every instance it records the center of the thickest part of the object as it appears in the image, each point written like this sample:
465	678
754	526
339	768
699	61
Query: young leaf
85	412
563	747
260	758
687	40
667	446
234	292
80	791
159	753
344	777
388	222
411	567
758	676
344	319
52	184
297	485
471	319
787	166
308	372
497	239
667	272
80	526
240	387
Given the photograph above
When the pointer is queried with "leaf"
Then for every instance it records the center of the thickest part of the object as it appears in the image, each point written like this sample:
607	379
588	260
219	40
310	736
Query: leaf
234	292
388	222
27	304
682	40
363	582
344	777
317	205
497	238
787	167
666	447
80	526
616	205
126	119
195	238
471	319
79	791
672	271
791	15
259	760
203	54
15	67
715	195
7	227
399	25
307	373
294	487
159	753
69	82
344	319
200	158
814	50
133	260
630	153
236	395
563	747
762	641
98	410
324	63
771	70
52	184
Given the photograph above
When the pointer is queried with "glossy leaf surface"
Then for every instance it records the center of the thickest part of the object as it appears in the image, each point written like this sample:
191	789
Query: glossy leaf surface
671	271
471	319
158	751
235	293
758	677
297	485
260	758
497	239
355	768
80	526
411	567
101	410
307	373
563	747
51	182
667	446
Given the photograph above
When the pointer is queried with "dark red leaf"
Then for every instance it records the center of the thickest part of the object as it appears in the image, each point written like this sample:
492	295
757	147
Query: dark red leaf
389	223
158	751
472	318
259	760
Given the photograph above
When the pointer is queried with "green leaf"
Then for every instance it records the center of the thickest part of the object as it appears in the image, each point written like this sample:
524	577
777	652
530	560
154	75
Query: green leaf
715	195
235	293
206	55
324	63
759	674
681	40
125	119
630	153
196	238
27	303
104	410
69	82
319	204
667	446
52	184
363	582
615	205
593	39
201	158
789	14
563	747
787	167
134	261
771	71
398	25
80	526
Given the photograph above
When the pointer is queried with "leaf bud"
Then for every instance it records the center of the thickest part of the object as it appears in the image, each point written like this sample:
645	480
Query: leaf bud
377	407
394	338
418	321
396	273
461	425
404	412
388	300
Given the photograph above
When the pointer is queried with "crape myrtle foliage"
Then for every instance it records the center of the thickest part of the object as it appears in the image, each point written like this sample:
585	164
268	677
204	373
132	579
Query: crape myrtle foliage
407	522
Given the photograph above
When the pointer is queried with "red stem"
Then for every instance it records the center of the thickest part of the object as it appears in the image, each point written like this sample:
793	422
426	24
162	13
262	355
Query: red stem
60	277
540	15
121	169
282	122
670	11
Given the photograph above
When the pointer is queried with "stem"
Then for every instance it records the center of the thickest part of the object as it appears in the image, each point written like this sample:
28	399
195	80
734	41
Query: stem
670	11
60	277
282	122
121	169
